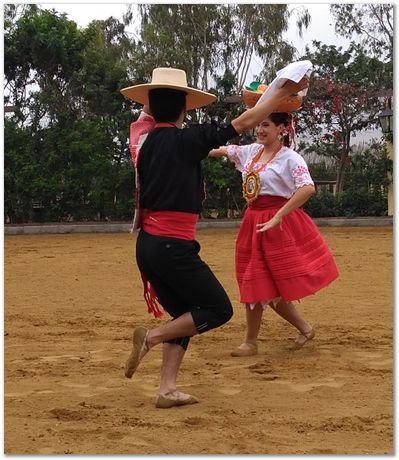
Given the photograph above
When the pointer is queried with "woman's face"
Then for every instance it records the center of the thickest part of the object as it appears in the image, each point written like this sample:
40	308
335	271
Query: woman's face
267	132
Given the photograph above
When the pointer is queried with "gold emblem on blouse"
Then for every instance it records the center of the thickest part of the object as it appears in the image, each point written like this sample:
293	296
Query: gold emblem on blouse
251	183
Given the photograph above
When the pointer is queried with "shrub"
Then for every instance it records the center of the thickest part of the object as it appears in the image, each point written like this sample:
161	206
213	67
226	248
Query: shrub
363	202
323	204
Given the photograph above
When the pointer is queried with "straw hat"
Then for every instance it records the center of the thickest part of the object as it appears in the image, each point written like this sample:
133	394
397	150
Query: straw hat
163	77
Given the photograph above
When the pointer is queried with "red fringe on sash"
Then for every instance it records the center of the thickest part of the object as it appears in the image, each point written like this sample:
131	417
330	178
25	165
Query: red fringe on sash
151	298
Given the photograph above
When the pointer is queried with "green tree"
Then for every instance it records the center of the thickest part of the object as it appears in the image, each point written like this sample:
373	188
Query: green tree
42	53
342	102
372	22
212	40
19	172
65	82
248	31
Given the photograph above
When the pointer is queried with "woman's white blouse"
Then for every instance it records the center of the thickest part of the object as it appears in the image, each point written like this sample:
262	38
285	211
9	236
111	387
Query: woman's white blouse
283	176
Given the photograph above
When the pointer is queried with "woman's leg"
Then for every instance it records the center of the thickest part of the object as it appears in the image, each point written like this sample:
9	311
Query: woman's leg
288	311
254	319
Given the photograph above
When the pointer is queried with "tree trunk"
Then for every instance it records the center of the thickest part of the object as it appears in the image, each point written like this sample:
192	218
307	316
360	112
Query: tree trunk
340	176
343	161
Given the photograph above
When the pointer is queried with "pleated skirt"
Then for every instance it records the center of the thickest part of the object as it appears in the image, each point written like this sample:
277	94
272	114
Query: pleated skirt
291	263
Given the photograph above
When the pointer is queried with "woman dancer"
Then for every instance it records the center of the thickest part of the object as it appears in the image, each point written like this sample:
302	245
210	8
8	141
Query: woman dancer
280	254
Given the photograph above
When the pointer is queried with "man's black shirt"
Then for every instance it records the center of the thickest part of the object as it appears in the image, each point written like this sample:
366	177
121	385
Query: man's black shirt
169	166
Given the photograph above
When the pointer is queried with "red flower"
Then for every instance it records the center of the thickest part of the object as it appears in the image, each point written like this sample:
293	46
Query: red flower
337	104
331	87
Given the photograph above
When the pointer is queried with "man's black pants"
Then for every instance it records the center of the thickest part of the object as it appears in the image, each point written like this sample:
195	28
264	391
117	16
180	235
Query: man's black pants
183	282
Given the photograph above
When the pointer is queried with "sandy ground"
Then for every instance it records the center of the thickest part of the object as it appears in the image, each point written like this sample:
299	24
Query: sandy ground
72	301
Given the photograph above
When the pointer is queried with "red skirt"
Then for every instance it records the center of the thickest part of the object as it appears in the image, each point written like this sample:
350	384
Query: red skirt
291	263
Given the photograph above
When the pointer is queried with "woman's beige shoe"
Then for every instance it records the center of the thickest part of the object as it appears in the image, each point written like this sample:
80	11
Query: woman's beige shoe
302	338
246	349
174	399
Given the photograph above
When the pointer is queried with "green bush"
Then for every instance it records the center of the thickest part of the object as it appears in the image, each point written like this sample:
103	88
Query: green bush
356	202
323	204
353	202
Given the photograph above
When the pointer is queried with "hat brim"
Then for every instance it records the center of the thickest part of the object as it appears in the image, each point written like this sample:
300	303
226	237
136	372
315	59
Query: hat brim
195	97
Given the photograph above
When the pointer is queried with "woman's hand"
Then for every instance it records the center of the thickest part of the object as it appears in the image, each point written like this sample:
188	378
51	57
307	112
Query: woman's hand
273	222
220	152
298	199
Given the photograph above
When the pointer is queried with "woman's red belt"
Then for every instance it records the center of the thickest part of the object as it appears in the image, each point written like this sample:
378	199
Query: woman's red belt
267	201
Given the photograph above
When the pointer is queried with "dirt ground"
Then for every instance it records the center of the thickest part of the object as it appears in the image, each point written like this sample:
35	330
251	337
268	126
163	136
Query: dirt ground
72	301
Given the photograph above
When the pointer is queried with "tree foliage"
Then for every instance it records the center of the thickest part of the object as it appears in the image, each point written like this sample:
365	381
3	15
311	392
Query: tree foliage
372	22
66	152
343	101
213	40
65	83
366	186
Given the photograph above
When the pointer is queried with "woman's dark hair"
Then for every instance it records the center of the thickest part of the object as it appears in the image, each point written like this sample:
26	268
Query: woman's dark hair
279	118
284	118
166	104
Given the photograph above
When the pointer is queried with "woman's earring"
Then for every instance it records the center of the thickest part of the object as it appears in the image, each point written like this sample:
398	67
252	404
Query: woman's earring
280	137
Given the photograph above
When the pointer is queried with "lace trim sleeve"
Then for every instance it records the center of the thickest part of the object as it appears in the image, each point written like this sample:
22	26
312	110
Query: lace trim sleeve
301	176
236	154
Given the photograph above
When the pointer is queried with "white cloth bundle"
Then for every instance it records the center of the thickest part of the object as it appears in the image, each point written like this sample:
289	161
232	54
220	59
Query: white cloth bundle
295	72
